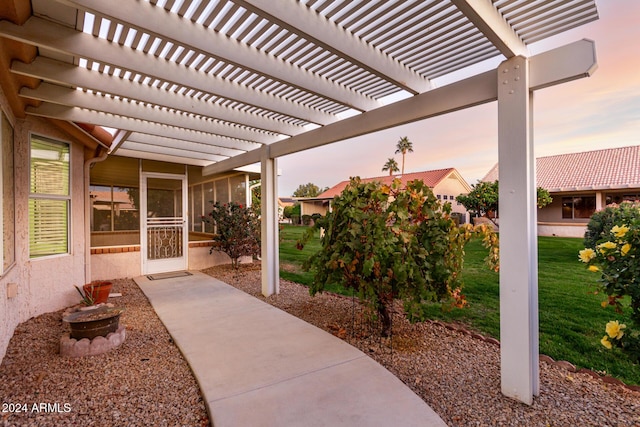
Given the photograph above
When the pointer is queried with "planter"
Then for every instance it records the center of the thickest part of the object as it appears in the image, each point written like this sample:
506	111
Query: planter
89	324
99	291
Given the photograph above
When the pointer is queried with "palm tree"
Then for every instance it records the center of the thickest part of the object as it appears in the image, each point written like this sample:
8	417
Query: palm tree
404	146
391	166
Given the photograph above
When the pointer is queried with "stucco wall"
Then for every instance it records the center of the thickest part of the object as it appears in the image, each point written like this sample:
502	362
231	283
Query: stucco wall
119	262
200	258
451	187
45	284
561	229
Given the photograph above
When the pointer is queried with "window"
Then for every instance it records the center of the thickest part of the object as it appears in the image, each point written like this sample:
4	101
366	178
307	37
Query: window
198	208
619	198
7	214
238	189
114	208
49	197
445	197
578	207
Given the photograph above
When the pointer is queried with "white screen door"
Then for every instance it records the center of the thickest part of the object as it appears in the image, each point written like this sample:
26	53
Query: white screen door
164	227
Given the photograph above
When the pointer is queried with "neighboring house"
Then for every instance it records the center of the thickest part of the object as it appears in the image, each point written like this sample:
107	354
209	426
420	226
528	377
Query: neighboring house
446	184
284	202
582	183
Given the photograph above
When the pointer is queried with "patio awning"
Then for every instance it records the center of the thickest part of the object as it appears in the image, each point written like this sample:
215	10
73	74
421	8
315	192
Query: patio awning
200	81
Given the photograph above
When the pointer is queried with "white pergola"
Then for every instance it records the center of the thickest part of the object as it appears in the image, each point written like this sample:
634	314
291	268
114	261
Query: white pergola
225	84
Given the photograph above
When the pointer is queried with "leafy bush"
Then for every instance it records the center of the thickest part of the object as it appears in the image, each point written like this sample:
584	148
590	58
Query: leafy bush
613	250
388	242
483	199
237	230
602	221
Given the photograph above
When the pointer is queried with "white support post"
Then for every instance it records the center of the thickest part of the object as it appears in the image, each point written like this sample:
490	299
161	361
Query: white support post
519	349
269	224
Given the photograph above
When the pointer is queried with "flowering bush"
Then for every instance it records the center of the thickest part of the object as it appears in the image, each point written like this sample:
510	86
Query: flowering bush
616	257
237	230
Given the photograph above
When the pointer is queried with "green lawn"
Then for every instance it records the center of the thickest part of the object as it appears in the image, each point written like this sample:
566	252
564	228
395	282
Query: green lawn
571	319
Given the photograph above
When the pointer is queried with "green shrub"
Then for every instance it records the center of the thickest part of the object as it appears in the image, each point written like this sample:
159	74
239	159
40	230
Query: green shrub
388	242
613	251
602	221
237	230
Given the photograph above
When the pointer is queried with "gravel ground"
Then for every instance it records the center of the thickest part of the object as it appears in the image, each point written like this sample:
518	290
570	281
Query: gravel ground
457	374
146	382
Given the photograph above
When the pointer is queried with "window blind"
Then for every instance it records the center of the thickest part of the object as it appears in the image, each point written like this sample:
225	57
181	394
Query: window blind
49	198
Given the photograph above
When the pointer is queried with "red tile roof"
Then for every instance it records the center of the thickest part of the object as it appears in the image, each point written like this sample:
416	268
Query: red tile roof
431	178
589	170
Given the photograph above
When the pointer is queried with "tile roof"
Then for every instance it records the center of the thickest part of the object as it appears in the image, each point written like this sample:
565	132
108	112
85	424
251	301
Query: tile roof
431	178
589	170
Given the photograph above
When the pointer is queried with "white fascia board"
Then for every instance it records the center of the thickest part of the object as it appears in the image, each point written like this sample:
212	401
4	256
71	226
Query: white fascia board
67	74
199	147
161	157
155	20
48	92
572	62
484	16
300	19
43	33
235	162
170	151
76	114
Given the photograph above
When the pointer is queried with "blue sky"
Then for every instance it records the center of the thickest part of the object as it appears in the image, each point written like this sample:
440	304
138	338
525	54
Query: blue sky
602	111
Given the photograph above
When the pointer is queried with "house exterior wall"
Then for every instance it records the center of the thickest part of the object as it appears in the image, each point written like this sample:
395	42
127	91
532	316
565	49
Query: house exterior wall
551	223
125	261
45	284
561	229
452	188
310	208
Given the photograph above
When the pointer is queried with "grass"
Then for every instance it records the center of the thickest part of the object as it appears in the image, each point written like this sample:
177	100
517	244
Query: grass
571	319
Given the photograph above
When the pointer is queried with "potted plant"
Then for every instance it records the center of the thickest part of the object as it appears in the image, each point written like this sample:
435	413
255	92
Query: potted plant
96	292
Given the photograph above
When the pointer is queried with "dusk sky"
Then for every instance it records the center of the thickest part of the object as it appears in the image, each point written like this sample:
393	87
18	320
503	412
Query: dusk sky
602	111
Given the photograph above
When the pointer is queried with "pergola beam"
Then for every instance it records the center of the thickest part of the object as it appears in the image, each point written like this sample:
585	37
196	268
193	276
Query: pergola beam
48	92
569	62
62	73
486	18
191	35
301	20
44	33
76	114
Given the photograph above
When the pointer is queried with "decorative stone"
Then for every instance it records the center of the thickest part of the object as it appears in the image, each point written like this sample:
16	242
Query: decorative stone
71	347
81	348
566	365
492	340
546	359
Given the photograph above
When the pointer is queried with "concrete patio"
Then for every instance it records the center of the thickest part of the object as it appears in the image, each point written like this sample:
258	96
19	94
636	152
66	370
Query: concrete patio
259	366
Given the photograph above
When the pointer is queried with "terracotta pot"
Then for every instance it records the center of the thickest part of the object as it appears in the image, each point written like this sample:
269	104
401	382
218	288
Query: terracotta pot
99	291
100	321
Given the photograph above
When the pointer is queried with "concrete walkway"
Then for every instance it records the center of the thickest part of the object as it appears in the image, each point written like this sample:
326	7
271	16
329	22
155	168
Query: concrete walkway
259	366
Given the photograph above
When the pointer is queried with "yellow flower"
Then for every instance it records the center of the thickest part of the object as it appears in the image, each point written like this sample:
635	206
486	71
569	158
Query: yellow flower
619	231
606	245
625	249
614	329
605	342
593	268
587	255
